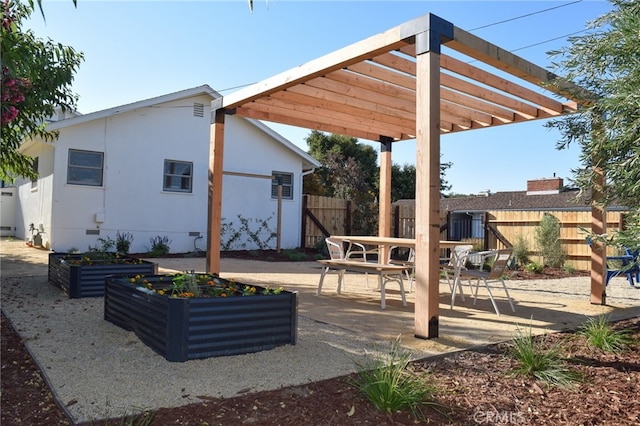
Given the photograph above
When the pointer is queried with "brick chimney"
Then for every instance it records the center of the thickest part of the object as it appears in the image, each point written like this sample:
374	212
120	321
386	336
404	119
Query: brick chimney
544	186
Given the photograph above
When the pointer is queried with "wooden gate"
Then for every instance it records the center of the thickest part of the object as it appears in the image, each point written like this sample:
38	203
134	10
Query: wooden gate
324	216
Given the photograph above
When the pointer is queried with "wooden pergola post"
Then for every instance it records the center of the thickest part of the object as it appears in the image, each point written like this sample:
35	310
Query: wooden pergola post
384	198
598	252
427	273
214	215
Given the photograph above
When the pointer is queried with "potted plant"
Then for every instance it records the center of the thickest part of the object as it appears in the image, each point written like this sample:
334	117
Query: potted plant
196	315
82	274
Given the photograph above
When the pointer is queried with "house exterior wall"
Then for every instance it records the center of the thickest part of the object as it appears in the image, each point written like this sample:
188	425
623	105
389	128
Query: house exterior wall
131	199
34	204
250	197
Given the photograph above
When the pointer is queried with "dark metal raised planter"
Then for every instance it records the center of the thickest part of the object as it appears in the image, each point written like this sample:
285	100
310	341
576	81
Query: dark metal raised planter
79	280
182	329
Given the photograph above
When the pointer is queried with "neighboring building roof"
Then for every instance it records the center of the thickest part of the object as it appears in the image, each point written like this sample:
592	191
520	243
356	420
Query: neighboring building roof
568	199
517	200
308	161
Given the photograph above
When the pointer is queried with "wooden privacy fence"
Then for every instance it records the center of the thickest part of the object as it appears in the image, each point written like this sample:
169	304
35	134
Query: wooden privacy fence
507	226
323	216
516	224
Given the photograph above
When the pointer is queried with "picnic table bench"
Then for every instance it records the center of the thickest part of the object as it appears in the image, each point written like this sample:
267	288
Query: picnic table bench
385	272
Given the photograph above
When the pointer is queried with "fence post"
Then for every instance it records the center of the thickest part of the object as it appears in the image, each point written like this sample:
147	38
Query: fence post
396	221
347	226
486	231
303	233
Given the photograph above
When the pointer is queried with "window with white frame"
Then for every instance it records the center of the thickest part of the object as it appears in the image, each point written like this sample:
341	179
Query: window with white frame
85	167
178	176
284	179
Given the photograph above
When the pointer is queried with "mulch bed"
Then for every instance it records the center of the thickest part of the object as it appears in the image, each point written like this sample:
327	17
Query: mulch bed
473	387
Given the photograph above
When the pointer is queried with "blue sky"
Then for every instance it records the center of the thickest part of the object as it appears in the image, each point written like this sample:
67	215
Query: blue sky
138	50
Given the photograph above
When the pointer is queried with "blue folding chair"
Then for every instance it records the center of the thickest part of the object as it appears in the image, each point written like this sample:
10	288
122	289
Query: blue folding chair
635	269
623	264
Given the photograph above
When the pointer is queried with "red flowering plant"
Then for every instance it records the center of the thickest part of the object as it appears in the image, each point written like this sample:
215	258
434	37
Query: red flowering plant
190	284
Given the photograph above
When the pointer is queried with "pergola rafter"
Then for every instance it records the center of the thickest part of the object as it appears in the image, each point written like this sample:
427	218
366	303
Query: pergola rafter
391	87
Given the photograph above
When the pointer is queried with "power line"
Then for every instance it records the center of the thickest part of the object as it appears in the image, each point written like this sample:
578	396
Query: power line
486	26
549	40
524	16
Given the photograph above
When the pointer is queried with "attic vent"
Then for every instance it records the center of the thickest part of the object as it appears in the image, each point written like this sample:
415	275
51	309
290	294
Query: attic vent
198	110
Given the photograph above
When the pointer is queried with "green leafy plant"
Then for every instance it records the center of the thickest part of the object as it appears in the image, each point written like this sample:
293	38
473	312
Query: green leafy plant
103	250
123	242
569	269
539	362
189	284
261	236
295	255
534	268
521	251
160	246
548	240
601	335
389	384
186	283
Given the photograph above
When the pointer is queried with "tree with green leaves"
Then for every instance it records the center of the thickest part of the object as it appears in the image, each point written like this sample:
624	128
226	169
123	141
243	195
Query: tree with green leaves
36	80
350	171
606	63
403	181
547	237
340	149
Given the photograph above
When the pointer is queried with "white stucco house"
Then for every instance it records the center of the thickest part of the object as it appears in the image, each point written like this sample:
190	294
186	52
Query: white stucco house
142	169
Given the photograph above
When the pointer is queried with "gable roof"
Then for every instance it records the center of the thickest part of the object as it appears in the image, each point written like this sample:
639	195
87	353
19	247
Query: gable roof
170	97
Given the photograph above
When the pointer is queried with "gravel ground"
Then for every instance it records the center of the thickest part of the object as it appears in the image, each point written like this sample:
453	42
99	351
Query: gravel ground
99	370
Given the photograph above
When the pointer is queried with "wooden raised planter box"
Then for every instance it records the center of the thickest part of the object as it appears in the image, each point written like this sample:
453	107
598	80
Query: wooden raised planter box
182	329
82	280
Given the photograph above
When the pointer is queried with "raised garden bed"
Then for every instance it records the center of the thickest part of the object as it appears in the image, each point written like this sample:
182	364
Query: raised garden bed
79	277
181	327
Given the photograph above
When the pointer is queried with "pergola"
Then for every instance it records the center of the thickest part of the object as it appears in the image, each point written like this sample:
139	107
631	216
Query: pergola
391	87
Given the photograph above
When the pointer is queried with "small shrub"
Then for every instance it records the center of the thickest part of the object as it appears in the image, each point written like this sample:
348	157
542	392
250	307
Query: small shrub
569	269
542	364
101	251
548	239
601	335
296	255
123	242
521	251
390	386
534	268
159	246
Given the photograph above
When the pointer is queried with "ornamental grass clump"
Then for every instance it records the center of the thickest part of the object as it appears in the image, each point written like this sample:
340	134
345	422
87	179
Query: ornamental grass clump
390	385
601	335
541	362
